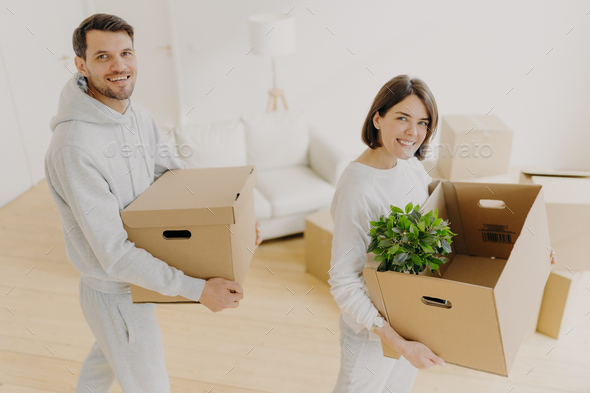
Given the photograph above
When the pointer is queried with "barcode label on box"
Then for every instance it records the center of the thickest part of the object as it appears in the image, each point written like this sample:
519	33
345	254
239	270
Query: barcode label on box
496	233
494	237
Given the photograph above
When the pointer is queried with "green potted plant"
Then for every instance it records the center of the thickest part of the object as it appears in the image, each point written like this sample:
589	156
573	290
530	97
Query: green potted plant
410	241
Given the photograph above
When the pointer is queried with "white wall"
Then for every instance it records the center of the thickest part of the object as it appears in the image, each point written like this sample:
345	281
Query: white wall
16	172
470	54
35	47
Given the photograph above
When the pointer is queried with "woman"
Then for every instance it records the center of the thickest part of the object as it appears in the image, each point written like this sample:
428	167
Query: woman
399	125
397	129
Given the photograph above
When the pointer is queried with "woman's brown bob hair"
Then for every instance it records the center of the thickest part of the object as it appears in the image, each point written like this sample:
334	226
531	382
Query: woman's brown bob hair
102	22
393	92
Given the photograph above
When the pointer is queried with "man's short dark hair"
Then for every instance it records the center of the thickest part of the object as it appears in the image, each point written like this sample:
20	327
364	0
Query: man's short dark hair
102	22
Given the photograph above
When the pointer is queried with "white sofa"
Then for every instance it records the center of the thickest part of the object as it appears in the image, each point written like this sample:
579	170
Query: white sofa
297	168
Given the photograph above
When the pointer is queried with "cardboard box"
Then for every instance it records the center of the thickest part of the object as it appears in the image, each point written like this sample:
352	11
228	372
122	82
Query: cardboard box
478	313
200	221
473	146
554	317
319	229
567	196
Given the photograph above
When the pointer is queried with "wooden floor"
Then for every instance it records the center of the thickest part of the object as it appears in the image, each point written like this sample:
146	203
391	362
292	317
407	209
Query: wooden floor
282	338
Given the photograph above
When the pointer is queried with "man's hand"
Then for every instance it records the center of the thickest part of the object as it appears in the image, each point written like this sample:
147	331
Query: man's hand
220	294
258	235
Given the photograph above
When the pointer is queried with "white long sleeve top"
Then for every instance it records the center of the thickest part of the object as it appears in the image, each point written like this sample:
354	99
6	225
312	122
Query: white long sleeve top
364	194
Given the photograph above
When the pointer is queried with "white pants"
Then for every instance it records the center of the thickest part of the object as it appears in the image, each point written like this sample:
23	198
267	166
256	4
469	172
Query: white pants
363	368
128	345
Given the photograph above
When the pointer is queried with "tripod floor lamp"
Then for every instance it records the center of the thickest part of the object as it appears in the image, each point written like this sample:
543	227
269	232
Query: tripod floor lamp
272	35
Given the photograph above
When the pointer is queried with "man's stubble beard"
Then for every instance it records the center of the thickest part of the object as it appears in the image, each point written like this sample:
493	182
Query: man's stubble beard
106	91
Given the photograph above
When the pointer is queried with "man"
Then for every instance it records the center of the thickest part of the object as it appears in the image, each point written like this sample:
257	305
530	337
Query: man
92	176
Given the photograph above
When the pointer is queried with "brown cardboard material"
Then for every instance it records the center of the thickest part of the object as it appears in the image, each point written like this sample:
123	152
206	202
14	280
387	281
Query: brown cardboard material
492	283
319	229
215	206
567	196
552	315
473	146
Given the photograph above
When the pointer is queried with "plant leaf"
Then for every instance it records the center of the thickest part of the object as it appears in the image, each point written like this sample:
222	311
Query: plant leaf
445	245
400	258
373	245
429	240
396	209
382	266
416	259
409	207
379	258
393	249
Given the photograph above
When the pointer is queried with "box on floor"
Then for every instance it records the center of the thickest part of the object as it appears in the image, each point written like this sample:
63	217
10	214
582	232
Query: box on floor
567	196
319	230
555	316
478	313
200	221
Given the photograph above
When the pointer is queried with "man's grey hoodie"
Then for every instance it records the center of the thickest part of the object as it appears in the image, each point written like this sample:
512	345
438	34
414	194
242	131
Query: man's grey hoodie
97	163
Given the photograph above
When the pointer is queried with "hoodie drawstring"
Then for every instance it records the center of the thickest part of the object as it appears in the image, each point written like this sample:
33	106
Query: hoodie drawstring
129	164
147	167
142	154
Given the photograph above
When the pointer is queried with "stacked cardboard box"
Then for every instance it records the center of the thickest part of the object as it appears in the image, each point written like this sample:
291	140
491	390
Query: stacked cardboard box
567	195
473	146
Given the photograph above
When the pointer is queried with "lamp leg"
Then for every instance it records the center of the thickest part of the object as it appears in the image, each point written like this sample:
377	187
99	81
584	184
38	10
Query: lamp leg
284	101
275	93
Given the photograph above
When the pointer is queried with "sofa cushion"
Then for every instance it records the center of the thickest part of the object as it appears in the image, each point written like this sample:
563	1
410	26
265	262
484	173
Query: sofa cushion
209	145
276	139
294	189
262	206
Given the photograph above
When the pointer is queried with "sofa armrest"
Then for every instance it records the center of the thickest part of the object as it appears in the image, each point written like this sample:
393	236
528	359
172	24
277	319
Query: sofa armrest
325	160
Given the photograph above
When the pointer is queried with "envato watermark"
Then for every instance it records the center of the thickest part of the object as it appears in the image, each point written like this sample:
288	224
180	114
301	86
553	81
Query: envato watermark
127	150
463	150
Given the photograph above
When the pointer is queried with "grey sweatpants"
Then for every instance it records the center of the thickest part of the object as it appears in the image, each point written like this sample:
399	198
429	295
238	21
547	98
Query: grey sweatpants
364	369
128	345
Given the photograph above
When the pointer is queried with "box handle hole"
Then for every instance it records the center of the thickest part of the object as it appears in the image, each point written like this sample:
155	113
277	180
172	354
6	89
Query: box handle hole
436	302
183	234
491	204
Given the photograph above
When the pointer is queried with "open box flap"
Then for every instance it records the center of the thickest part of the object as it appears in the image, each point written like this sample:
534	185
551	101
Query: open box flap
492	215
530	258
447	210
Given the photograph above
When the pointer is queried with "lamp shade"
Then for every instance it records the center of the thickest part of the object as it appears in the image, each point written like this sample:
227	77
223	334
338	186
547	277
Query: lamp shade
272	35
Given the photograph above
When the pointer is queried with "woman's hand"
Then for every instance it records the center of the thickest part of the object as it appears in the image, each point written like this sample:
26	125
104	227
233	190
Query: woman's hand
418	354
